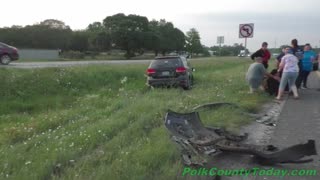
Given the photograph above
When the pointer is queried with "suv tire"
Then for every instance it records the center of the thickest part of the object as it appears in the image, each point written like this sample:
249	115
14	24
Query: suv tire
188	86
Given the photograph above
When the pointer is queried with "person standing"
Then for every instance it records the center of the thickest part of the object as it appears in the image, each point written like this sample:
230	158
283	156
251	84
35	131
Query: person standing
264	53
290	69
296	49
306	66
279	57
298	52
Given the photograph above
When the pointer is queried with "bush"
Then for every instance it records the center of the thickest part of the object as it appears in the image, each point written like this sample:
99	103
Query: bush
73	55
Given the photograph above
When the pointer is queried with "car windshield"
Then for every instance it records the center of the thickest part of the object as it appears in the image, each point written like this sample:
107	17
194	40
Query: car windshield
166	63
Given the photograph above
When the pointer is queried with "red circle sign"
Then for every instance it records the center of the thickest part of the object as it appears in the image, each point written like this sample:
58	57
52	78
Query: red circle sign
246	30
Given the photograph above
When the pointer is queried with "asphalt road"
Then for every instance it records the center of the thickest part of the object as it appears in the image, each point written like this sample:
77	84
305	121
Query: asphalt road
28	65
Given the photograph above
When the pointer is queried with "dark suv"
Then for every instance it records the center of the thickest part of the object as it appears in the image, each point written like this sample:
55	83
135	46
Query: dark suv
170	71
8	53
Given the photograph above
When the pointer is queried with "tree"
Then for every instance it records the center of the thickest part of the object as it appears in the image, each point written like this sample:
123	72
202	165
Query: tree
226	50
164	37
127	32
95	27
49	34
193	41
99	39
55	24
205	51
79	41
166	41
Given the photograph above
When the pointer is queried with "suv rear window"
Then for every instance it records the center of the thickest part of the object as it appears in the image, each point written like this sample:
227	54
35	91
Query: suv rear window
166	63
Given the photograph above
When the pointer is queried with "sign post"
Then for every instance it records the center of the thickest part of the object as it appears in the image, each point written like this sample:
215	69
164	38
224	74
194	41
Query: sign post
246	31
220	40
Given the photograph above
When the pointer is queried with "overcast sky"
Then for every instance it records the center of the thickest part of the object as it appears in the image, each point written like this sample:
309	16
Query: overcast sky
276	22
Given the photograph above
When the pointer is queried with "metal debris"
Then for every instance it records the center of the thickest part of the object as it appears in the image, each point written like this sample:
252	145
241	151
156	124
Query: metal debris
197	141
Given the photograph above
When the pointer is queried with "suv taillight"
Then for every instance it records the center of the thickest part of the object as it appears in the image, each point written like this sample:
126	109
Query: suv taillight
181	70
151	71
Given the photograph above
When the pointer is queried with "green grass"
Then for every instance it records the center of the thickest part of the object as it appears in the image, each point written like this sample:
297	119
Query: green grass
89	123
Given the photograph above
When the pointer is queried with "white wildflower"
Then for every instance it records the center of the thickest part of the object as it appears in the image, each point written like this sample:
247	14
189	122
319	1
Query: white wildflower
124	80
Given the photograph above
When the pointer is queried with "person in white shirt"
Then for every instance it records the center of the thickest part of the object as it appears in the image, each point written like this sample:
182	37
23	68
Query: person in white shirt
289	67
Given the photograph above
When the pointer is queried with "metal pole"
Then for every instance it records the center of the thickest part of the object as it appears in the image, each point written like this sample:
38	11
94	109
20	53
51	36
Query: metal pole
245	46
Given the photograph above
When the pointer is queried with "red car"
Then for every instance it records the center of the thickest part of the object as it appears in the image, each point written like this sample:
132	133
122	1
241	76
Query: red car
8	53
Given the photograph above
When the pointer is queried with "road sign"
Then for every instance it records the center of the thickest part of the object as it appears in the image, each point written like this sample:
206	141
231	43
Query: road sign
246	30
220	39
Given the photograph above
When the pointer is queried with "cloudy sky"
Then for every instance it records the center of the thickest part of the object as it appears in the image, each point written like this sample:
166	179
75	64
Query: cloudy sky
276	22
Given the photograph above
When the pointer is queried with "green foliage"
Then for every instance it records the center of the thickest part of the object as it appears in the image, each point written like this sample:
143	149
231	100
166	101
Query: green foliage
131	33
170	38
95	27
127	32
193	42
99	39
36	36
72	55
54	24
79	41
228	50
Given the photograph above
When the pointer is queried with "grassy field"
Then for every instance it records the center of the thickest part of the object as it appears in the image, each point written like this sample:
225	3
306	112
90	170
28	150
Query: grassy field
101	122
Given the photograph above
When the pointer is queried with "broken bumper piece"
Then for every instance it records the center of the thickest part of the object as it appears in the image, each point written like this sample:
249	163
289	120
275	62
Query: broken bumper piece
194	139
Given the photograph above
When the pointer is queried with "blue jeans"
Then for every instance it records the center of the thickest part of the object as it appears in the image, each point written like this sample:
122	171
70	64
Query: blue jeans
288	77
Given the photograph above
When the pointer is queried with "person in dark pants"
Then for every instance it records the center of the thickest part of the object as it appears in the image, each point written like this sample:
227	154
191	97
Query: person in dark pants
272	84
298	52
306	66
264	53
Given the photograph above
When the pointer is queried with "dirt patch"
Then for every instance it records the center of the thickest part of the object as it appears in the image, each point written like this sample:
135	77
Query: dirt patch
261	130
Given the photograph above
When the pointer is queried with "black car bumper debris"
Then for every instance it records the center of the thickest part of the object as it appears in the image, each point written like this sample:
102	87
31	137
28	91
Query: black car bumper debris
194	139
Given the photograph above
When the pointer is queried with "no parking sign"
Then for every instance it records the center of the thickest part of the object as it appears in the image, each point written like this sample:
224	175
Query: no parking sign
246	30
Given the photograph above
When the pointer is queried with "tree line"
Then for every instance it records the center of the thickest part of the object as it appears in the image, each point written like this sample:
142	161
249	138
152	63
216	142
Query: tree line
132	33
227	50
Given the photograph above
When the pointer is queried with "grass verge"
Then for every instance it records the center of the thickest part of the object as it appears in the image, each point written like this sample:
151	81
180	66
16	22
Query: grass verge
101	121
